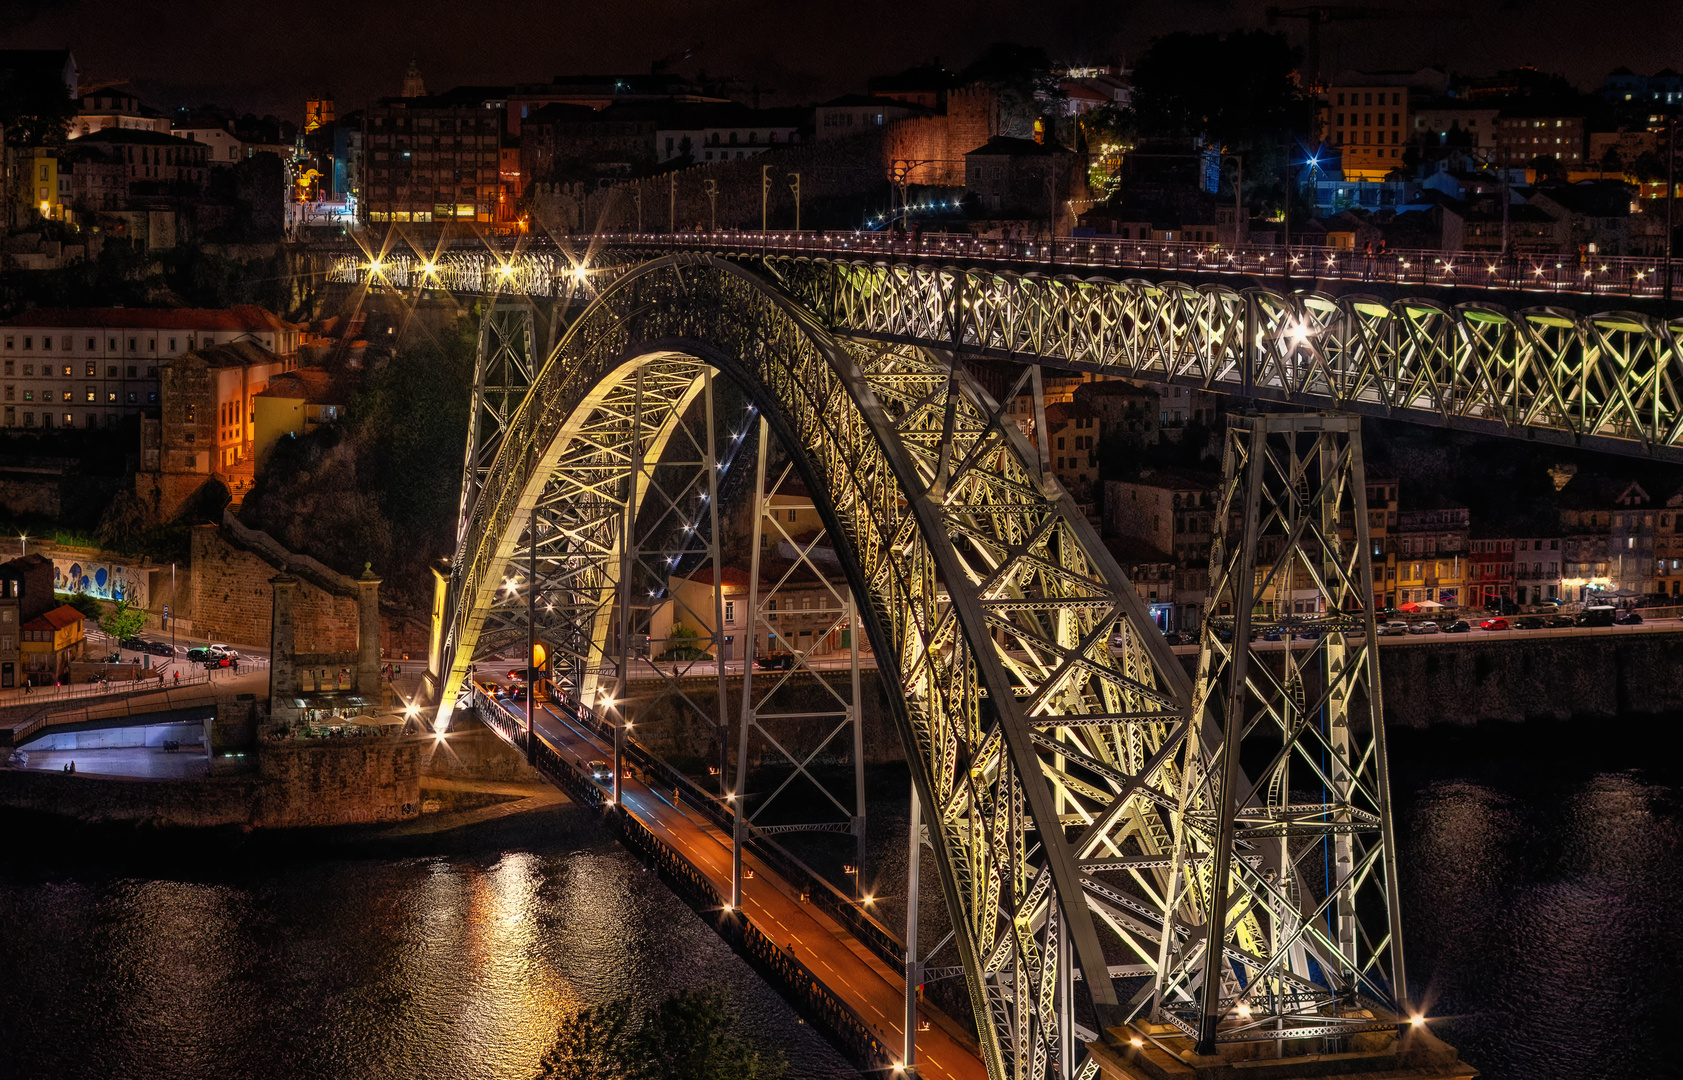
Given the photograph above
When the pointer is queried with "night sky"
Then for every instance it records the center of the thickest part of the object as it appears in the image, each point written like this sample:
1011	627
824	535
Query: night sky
268	57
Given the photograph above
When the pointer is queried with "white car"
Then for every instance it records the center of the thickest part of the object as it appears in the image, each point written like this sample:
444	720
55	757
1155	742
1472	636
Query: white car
1423	628
1394	628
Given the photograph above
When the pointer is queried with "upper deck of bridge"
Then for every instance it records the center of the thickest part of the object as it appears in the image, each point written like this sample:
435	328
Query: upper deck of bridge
1587	283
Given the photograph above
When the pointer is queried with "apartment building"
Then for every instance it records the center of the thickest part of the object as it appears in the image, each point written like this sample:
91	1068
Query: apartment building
89	367
434	159
1369	125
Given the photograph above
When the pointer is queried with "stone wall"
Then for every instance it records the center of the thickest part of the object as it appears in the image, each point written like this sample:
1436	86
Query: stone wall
474	752
232	600
119	800
313	782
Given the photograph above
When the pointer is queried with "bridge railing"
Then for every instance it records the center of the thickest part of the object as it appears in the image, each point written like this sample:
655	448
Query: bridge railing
537	268
1624	276
812	885
844	1024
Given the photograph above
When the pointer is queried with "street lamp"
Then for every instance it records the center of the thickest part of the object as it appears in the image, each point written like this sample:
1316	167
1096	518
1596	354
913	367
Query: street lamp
795	186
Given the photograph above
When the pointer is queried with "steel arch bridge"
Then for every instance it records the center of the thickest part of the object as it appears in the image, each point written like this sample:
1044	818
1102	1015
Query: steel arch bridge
1101	854
1611	380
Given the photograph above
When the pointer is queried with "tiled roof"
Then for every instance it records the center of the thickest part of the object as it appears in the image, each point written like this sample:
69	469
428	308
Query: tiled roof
243	317
57	619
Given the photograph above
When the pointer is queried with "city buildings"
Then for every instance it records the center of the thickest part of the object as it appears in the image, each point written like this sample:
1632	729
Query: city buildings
434	159
1432	556
26	593
1370	126
90	367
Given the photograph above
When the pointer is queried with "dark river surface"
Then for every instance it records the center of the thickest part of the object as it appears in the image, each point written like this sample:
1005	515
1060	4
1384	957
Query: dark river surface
1543	906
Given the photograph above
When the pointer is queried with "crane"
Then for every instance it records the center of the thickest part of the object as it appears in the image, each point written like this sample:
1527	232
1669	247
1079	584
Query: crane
1318	15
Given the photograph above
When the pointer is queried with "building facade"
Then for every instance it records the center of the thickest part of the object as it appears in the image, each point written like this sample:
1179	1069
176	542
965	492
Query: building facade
90	367
432	160
1369	125
26	593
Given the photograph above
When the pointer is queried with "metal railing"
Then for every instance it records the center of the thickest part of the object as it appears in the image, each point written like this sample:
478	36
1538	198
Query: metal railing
107	702
1624	276
850	1031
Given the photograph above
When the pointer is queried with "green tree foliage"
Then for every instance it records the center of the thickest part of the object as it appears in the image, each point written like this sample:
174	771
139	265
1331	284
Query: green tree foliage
1237	88
685	1037
81	601
34	108
123	620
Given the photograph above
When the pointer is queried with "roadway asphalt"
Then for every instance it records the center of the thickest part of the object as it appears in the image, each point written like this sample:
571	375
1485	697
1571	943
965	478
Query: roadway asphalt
874	991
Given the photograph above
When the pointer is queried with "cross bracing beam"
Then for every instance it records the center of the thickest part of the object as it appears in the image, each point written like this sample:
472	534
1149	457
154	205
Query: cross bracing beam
1066	766
1611	381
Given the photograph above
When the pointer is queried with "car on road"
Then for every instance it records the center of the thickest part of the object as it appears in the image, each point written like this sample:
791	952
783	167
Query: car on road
1627	618
1531	622
1394	628
114	658
1424	628
1174	637
137	644
1599	615
601	770
775	661
1459	626
1493	624
1558	622
159	648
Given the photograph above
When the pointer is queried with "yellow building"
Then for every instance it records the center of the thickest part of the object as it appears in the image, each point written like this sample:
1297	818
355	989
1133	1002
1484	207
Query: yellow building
1369	125
294	403
38	184
50	642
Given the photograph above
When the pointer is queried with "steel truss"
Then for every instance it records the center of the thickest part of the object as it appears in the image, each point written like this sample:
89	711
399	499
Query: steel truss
760	715
1062	762
1297	888
1613	379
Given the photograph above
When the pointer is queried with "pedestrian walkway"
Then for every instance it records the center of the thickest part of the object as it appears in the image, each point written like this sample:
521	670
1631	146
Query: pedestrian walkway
136	762
875	992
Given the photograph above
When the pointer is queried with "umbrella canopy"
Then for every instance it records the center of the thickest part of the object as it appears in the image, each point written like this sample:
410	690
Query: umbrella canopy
1410	606
1430	605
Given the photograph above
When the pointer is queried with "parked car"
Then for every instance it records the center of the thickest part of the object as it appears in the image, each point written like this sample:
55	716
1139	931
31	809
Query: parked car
1493	624
776	661
601	770
1599	615
1394	628
159	648
223	650
134	643
1424	628
1273	633
114	658
1459	626
198	654
1531	622
1558	622
1308	633
1627	618
1174	637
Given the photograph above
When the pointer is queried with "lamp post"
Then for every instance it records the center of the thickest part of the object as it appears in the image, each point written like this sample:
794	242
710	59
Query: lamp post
795	186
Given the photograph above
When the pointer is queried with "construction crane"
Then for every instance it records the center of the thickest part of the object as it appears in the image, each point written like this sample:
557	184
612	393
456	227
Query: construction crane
1318	15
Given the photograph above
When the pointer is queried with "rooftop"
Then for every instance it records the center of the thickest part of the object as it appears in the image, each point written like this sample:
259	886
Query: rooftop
244	317
134	137
1131	549
315	386
57	619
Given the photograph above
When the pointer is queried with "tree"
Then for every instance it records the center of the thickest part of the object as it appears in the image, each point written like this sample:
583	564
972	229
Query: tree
686	1037
592	1044
1238	89
123	621
35	109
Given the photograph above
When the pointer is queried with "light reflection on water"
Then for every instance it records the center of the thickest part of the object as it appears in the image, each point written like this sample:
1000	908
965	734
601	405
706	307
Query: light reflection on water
262	963
1542	906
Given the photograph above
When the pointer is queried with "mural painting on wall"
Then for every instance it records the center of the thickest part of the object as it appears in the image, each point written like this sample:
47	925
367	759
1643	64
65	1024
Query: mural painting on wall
104	581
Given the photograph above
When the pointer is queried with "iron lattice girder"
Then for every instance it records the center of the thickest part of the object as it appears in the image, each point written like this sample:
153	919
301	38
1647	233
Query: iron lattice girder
1615	378
1006	809
1295	880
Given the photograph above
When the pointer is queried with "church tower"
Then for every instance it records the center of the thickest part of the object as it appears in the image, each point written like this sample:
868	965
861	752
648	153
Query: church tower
413	87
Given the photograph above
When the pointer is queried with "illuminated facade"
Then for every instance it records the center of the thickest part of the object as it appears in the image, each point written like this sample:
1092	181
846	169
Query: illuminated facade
1369	125
433	159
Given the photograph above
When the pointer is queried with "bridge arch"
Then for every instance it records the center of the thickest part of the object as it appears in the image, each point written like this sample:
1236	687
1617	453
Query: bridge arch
1036	745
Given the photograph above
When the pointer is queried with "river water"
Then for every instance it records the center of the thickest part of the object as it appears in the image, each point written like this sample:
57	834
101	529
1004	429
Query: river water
1543	901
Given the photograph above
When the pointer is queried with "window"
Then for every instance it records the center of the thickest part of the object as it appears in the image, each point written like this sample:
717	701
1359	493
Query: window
89	370
791	514
68	371
111	371
192	414
730	611
133	371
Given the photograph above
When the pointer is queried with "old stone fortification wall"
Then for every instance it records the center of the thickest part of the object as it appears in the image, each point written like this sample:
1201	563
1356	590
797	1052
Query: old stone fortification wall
231	599
298	783
310	782
474	752
119	800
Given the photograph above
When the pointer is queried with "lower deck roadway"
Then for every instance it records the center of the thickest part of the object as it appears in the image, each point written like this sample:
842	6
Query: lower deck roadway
874	991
